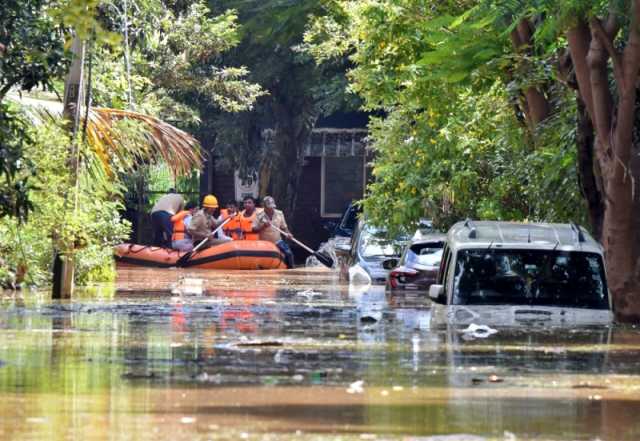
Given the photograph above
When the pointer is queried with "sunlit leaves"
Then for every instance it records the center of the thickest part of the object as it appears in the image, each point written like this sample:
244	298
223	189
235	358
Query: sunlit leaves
87	232
15	169
80	17
148	141
33	53
188	60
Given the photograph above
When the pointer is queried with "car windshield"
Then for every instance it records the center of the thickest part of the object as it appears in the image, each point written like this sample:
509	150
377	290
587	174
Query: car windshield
427	254
531	277
373	247
350	218
375	244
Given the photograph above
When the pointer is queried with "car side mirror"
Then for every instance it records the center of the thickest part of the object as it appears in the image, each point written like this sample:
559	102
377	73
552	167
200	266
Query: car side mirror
436	294
390	264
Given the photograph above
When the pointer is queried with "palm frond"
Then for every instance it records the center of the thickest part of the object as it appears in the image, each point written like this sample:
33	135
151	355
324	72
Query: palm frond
120	150
177	148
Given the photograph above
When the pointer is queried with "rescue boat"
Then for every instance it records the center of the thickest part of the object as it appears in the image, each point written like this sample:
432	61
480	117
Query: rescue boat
232	255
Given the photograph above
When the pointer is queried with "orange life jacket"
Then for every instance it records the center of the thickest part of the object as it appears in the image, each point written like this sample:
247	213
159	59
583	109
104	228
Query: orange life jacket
232	225
178	225
246	225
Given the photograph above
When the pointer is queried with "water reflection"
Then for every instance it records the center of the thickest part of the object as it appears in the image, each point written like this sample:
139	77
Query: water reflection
277	361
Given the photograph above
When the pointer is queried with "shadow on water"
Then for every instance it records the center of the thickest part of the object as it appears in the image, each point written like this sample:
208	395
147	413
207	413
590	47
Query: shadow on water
282	358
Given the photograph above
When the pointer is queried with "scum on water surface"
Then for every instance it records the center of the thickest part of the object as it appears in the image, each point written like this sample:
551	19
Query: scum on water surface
297	355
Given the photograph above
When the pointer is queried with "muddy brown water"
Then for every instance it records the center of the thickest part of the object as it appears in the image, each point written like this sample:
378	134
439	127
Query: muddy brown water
297	355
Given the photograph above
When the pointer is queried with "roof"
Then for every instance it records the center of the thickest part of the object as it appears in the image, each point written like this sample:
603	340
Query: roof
566	237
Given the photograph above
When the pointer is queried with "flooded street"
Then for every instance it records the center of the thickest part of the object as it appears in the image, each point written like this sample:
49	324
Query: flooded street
297	355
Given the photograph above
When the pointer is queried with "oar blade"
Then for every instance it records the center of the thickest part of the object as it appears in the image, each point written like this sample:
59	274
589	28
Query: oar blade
184	259
324	259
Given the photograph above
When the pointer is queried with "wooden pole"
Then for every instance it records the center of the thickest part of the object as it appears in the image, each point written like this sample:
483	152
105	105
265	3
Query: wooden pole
63	264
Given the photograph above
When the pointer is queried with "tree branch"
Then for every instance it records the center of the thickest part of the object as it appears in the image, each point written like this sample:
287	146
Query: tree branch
607	41
612	25
631	54
536	106
627	103
579	39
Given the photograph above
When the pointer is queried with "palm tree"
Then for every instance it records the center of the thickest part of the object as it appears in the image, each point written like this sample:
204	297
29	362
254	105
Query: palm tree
157	141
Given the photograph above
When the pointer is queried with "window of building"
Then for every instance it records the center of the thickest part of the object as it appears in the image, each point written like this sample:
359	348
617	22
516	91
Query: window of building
342	182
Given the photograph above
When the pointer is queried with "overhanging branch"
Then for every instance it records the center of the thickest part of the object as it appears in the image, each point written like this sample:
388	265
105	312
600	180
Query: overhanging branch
607	41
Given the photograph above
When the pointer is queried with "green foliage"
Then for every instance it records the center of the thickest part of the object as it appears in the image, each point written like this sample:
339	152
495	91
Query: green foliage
88	232
298	90
452	142
474	161
82	19
15	170
187	59
175	62
32	45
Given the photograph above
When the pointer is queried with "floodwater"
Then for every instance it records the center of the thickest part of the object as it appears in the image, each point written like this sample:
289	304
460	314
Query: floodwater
297	355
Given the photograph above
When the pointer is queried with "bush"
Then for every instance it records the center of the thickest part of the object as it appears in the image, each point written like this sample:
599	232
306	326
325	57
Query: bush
87	232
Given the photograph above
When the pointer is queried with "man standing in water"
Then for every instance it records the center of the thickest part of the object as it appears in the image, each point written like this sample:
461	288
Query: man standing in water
264	223
167	206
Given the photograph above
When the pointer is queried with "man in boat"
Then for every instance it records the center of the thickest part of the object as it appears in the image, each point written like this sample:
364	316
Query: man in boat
243	223
264	224
204	221
161	213
181	240
230	212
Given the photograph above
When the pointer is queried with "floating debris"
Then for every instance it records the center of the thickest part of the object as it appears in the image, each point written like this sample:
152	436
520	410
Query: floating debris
478	331
356	387
259	344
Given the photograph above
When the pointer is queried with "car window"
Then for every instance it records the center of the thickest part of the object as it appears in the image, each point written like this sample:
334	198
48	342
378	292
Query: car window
444	265
355	240
375	247
532	277
428	254
375	243
350	219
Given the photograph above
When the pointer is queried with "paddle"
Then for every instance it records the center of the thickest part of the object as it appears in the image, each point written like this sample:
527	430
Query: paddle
187	256
322	258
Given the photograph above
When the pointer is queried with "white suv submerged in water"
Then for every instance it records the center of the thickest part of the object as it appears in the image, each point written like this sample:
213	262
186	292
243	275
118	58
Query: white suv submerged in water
506	273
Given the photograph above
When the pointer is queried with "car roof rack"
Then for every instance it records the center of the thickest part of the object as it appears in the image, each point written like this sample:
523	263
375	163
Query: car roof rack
473	233
575	227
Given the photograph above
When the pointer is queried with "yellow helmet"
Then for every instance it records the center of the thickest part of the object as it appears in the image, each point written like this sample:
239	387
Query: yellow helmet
210	201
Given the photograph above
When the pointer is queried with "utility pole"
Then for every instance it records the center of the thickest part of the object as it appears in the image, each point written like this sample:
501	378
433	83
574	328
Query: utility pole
63	267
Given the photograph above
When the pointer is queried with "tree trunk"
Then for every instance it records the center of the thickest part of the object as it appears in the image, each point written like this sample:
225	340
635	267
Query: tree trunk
588	177
285	163
535	107
594	56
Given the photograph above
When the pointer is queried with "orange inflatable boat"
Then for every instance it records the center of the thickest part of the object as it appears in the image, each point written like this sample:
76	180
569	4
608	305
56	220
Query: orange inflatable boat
232	255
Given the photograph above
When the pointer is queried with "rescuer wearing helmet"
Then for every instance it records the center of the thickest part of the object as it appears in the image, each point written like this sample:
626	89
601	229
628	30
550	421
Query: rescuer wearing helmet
204	221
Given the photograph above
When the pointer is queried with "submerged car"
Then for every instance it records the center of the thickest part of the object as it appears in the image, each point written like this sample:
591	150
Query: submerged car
419	264
505	273
374	252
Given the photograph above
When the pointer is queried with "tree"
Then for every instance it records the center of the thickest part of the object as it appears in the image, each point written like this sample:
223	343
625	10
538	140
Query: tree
534	49
32	45
298	93
15	171
605	51
31	54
